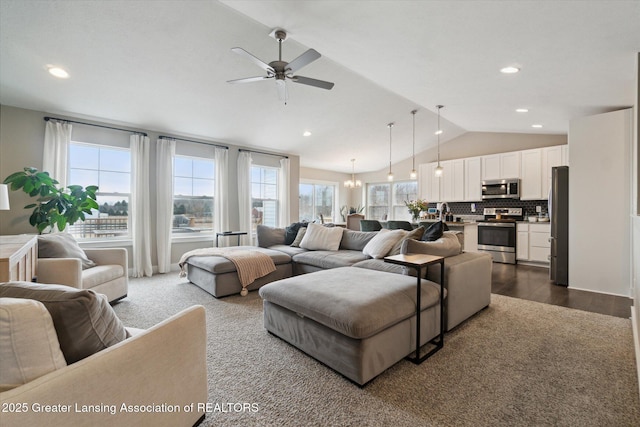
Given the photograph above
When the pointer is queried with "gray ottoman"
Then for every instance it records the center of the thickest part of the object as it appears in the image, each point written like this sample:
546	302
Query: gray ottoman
218	275
358	322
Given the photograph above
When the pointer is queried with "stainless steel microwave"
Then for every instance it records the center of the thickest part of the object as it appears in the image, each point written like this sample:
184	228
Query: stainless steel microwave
501	189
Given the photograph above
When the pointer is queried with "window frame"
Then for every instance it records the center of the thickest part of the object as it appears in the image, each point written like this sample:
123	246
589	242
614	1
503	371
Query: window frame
275	200
335	209
392	196
203	233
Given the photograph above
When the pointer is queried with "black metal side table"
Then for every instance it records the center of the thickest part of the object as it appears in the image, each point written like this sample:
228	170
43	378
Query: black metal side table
418	261
230	233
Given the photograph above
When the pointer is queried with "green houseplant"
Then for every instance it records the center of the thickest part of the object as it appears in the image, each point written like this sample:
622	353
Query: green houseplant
54	207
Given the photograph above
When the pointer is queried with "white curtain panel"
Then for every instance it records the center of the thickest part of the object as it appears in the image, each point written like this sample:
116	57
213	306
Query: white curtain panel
140	206
220	210
283	193
165	152
57	137
244	195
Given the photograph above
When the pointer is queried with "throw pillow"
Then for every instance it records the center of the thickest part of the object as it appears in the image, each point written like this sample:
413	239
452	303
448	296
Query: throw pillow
62	245
321	238
84	321
269	236
291	232
434	232
415	235
29	346
301	232
383	242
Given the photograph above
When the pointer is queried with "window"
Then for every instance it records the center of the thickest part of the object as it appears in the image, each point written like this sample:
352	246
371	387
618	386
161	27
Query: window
386	201
264	196
110	169
316	200
193	194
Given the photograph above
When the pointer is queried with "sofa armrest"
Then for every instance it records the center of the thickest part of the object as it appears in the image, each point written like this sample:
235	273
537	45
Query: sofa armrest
108	256
60	271
163	369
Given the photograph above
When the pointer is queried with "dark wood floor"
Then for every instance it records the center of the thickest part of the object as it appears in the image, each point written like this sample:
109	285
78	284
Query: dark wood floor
532	283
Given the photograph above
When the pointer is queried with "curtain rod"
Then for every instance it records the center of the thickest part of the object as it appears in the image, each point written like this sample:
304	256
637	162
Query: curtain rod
262	152
46	119
195	142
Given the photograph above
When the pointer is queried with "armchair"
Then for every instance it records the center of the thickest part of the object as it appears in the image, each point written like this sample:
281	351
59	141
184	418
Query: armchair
108	277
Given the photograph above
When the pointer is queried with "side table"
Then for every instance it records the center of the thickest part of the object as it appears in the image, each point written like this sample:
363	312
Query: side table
418	261
230	233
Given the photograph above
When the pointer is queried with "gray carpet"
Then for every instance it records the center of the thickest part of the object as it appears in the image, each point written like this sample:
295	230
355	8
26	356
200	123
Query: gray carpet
516	363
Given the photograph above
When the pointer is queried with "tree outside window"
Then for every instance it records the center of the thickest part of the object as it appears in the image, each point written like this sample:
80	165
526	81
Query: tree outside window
193	194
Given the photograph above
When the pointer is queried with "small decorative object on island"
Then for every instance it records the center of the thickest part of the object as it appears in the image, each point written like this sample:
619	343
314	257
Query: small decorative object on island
54	207
415	207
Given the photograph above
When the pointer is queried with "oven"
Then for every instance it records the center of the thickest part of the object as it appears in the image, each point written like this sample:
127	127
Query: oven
497	233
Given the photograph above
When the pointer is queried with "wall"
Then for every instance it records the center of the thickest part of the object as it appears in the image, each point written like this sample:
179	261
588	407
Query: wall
470	144
600	202
21	144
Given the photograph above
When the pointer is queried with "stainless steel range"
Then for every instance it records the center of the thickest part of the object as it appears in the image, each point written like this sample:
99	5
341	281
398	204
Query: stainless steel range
497	233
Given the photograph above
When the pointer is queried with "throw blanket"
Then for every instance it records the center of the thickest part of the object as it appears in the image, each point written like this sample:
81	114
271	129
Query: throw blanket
250	264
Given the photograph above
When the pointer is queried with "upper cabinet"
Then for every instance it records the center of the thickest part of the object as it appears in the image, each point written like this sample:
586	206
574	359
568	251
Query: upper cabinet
452	181
501	166
531	175
551	157
429	184
473	179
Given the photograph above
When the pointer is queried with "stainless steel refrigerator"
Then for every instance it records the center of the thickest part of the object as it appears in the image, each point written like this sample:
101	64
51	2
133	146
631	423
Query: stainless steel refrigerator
559	216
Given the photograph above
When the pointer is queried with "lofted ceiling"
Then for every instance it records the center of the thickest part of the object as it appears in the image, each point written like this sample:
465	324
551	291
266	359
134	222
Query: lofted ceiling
163	66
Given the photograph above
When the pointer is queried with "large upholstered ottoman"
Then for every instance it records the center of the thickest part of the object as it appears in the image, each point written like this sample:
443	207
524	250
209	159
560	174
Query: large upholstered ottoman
356	321
218	276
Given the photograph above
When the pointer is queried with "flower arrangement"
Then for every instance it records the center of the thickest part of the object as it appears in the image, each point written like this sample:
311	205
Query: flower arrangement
416	206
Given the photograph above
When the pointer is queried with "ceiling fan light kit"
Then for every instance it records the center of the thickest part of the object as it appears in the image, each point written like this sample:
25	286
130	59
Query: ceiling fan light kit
281	70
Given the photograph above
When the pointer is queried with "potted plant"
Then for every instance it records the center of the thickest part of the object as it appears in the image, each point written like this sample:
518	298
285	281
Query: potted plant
415	207
54	207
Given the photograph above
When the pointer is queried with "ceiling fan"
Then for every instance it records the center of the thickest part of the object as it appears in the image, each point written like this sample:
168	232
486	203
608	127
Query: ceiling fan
281	70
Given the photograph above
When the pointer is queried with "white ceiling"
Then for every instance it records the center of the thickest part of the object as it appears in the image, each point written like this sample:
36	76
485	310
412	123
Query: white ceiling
164	65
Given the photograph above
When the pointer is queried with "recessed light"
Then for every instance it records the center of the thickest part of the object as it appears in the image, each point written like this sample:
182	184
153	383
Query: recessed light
306	133
58	72
536	126
521	110
509	70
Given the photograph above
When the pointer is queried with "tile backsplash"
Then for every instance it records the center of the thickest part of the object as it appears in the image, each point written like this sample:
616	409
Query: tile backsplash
528	206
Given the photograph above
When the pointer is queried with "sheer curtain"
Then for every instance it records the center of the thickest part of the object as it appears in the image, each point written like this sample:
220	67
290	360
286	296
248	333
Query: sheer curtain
166	150
57	137
244	195
140	206
220	210
283	193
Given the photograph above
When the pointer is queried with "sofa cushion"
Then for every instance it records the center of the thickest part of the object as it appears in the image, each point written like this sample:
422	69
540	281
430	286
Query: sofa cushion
415	235
101	274
356	240
320	238
29	345
383	242
289	250
329	259
62	245
269	236
84	321
381	265
218	264
446	246
291	232
296	242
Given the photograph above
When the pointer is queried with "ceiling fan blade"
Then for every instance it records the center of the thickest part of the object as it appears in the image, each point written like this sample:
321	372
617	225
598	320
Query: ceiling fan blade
240	51
282	90
249	79
313	82
305	59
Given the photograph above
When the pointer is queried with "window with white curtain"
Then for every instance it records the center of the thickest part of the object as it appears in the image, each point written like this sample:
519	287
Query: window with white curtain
317	199
193	194
264	196
387	200
110	169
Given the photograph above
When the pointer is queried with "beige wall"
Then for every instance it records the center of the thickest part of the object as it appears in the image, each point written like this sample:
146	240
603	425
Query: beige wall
21	144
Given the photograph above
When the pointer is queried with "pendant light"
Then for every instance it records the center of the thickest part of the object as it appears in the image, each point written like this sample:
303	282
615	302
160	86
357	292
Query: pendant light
413	174
390	174
353	182
438	170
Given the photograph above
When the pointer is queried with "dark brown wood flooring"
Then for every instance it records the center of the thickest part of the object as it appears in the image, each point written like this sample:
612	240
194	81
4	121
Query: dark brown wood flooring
533	284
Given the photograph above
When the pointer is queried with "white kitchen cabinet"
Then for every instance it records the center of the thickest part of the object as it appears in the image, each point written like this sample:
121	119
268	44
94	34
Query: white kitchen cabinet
473	179
531	175
429	184
522	242
452	181
565	155
501	166
471	238
551	157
